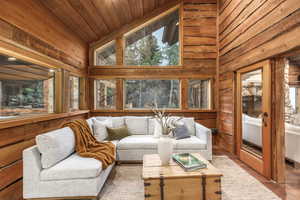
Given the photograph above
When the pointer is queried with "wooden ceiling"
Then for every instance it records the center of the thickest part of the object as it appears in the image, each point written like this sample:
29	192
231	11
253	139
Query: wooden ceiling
94	19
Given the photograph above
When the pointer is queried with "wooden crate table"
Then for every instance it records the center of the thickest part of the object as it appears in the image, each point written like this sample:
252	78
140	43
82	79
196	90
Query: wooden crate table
173	183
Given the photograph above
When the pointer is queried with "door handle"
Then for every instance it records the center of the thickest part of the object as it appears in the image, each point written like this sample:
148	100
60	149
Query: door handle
265	115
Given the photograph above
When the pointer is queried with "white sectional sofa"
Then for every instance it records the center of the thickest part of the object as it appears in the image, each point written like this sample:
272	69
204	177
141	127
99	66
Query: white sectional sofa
252	133
52	169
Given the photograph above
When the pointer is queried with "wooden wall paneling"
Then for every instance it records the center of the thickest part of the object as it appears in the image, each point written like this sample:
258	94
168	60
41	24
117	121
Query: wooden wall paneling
10	174
83	101
119	50
184	84
283	26
120	94
92	94
12	153
12	192
234	23
66	91
58	90
278	120
48	36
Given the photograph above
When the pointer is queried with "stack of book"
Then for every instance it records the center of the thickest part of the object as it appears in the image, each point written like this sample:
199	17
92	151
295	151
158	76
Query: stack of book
188	162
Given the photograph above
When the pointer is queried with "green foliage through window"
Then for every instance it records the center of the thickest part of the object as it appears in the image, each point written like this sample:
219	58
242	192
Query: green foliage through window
156	44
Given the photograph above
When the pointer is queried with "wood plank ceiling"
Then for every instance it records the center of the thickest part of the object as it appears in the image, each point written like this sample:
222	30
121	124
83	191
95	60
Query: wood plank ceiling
93	19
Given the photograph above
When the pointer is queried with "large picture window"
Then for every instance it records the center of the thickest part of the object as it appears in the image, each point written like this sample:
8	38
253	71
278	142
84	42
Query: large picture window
106	55
74	93
156	44
199	94
145	94
105	94
25	89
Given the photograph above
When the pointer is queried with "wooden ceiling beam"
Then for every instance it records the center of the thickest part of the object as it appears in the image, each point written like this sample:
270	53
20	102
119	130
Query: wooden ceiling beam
28	68
155	14
24	74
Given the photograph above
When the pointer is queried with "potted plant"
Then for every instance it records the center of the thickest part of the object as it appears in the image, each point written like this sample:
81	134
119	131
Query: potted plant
165	141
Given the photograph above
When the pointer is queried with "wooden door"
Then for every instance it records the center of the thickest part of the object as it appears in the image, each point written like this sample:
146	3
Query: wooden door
253	123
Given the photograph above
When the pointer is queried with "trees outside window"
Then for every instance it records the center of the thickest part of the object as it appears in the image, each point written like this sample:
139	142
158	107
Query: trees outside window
106	55
105	94
145	94
156	44
199	94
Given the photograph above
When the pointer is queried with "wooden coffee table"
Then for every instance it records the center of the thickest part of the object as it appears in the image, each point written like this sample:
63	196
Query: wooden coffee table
173	183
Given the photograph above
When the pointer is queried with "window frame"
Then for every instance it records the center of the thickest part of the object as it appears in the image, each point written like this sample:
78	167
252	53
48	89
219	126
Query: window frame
119	40
180	42
145	109
107	44
211	95
79	93
94	106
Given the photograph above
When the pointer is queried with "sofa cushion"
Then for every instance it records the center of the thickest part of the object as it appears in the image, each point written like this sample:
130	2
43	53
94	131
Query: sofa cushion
117	122
100	129
73	167
190	143
151	126
137	125
138	142
55	146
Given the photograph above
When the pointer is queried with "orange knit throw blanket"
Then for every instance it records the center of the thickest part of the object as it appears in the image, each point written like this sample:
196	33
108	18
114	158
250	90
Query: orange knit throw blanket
88	146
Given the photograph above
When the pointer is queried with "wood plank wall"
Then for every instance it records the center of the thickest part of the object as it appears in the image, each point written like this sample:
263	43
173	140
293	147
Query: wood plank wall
31	25
250	31
199	52
14	139
29	29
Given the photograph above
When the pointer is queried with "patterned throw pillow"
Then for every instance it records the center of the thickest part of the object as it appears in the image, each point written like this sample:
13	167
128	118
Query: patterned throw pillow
181	132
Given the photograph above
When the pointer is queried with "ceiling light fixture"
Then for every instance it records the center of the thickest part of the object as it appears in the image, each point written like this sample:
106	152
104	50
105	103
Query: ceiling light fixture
11	59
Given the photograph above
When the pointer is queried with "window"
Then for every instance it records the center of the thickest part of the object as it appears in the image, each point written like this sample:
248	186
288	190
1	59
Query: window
156	44
199	94
25	89
105	94
74	93
144	94
106	55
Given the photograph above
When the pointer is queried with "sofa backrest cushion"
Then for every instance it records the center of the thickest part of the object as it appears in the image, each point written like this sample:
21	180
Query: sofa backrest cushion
137	125
151	126
117	122
55	146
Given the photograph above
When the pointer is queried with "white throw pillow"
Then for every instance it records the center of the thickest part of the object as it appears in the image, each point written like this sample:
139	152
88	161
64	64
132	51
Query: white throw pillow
100	131
55	146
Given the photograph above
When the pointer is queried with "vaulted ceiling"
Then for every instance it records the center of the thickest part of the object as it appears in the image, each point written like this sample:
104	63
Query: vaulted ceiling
94	19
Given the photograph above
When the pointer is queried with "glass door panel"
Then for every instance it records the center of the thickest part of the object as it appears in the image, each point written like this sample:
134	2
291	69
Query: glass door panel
252	111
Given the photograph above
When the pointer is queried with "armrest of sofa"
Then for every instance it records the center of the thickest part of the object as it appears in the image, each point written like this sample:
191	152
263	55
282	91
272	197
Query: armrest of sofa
204	134
31	169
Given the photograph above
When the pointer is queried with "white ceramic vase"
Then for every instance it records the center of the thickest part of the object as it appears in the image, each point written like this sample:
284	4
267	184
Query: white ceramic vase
165	149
